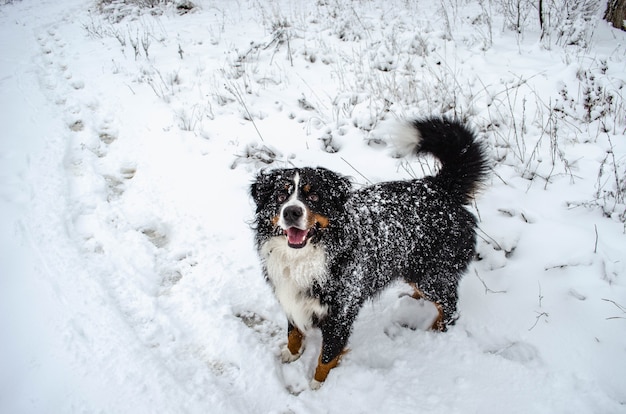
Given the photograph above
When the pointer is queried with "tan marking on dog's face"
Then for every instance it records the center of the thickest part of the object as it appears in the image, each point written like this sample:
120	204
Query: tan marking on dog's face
275	220
322	220
294	341
322	370
314	218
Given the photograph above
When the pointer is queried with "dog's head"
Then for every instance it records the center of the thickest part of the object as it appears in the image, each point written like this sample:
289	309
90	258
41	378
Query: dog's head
300	203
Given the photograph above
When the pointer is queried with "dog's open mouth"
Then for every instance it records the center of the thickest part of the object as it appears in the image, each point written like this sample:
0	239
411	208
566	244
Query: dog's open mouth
297	238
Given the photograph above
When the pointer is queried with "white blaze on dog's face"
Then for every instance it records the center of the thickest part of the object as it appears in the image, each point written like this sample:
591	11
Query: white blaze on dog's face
293	217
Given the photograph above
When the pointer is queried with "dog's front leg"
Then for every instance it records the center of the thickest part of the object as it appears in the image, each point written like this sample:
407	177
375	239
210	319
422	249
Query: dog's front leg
334	339
295	344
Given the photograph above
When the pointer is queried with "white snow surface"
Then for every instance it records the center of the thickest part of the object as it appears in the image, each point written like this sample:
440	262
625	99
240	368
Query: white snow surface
129	282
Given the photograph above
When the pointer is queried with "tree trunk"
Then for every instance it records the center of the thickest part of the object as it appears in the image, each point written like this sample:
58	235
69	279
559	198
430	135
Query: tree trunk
616	13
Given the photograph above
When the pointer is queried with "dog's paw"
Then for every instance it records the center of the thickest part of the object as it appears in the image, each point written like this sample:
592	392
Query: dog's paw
315	384
286	356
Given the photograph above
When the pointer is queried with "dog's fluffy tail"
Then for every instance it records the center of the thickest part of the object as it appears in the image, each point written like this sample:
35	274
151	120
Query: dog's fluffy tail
463	161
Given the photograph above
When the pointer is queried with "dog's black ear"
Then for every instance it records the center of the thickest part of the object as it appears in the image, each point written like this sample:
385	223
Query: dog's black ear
346	185
345	189
263	187
258	189
339	186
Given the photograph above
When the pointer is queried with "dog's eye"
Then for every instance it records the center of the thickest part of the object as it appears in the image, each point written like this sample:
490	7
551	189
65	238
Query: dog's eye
313	197
281	197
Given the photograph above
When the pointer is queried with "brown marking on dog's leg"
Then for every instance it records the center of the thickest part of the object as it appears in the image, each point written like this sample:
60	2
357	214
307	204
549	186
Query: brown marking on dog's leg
322	370
294	341
293	350
417	294
438	324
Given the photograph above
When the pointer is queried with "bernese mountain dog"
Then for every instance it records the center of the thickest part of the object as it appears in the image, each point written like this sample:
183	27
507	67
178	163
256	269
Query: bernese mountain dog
326	248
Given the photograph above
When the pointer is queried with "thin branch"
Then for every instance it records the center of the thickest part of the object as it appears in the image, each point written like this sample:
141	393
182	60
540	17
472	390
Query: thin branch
620	307
357	171
539	315
487	289
232	88
491	239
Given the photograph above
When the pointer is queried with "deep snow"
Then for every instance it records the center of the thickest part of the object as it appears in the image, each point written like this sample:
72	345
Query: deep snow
128	276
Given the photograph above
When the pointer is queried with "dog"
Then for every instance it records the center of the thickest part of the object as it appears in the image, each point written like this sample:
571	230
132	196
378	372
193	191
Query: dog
326	248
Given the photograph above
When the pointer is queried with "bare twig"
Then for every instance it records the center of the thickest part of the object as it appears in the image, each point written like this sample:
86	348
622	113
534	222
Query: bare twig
357	171
620	307
539	316
487	289
491	239
232	88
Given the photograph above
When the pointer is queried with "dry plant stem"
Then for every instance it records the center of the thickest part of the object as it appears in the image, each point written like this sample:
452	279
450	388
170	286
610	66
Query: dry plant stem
232	88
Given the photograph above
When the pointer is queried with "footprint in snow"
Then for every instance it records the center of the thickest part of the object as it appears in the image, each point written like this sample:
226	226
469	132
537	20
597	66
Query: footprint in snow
267	330
115	189
77	125
158	238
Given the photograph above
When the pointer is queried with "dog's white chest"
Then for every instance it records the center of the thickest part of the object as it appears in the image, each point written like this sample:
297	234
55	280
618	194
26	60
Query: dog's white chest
292	272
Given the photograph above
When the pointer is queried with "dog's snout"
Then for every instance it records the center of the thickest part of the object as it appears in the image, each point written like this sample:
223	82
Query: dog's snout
292	214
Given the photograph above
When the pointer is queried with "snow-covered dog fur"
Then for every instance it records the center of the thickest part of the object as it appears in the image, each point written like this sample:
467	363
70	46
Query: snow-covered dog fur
326	248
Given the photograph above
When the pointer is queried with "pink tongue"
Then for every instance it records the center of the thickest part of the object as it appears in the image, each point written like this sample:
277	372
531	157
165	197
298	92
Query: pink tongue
296	236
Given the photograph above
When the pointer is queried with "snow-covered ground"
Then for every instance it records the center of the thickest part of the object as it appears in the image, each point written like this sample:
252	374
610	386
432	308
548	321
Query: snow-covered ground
128	277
